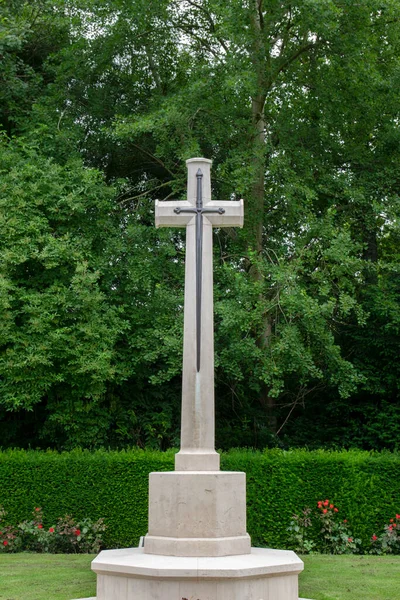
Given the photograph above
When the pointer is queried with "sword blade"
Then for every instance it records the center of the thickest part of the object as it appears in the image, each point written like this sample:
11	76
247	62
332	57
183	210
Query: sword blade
199	264
199	268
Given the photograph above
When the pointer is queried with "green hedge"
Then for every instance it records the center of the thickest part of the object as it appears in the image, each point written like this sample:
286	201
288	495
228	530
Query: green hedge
114	485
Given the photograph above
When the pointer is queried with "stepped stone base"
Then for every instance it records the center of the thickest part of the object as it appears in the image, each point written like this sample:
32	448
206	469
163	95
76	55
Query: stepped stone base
131	574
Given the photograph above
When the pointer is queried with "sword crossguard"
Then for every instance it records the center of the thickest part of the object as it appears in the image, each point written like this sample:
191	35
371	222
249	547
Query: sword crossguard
200	211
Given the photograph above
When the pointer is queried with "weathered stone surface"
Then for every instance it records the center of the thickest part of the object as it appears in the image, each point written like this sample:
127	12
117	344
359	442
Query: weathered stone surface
197	546
197	514
262	575
197	452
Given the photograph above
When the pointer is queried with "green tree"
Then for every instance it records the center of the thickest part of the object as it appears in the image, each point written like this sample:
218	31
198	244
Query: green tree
296	103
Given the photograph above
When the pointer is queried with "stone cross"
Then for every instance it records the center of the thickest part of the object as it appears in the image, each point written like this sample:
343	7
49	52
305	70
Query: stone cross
199	214
197	545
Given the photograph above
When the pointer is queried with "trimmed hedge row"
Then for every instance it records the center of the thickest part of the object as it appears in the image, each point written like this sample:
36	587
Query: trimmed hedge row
114	485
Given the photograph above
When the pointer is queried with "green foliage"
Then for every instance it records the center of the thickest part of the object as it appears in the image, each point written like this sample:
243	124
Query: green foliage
57	327
280	484
114	486
388	541
66	536
298	530
30	32
322	530
101	102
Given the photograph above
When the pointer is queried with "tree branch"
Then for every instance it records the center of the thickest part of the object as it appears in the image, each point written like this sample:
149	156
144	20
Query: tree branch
211	22
286	63
154	158
146	192
205	43
153	68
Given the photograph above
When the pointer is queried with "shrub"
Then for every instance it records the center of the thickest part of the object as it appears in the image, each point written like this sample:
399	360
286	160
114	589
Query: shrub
67	536
8	534
332	534
298	530
387	542
114	486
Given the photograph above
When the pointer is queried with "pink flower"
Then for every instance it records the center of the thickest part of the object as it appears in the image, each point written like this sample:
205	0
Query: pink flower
326	502
390	528
350	539
397	516
331	506
51	529
5	543
336	509
40	526
325	511
374	538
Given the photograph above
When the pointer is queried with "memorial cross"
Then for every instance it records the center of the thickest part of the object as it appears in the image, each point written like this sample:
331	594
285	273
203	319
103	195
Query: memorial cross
199	214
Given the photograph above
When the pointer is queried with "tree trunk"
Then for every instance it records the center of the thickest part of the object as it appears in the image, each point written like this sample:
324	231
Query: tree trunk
255	216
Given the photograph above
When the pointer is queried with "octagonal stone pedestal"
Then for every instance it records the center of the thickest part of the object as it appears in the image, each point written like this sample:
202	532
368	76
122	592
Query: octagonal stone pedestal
197	513
131	574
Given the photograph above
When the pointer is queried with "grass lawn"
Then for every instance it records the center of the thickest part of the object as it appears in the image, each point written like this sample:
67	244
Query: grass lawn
350	577
63	577
46	576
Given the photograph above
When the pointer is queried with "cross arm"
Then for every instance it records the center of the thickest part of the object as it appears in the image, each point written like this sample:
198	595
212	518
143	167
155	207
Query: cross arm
166	217
231	217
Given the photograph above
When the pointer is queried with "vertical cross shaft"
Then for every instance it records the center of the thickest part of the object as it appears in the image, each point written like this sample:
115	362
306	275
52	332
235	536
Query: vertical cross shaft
197	451
198	214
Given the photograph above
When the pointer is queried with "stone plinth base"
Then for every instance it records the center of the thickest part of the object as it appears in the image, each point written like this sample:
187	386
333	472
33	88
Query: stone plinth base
197	513
190	460
131	574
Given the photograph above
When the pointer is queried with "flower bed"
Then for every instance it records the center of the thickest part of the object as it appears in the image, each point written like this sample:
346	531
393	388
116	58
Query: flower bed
64	537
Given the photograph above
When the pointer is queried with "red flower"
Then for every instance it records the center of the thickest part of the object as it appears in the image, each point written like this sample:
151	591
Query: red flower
325	511
397	516
394	525
345	521
5	543
374	538
51	529
37	509
320	504
40	526
391	520
390	527
350	540
336	509
326	502
331	506
77	532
